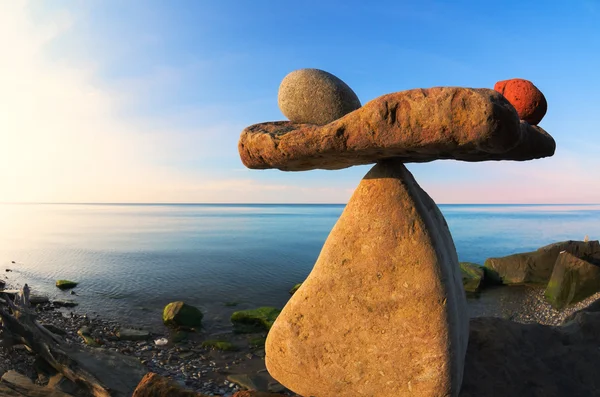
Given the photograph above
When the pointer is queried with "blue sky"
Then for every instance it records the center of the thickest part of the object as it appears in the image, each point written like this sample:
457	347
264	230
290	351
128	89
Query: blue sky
143	101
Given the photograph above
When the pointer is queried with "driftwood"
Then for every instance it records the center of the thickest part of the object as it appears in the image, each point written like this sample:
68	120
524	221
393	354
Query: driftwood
15	384
98	372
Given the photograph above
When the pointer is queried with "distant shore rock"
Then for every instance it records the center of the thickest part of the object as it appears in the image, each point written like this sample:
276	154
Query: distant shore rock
536	267
178	314
314	96
572	281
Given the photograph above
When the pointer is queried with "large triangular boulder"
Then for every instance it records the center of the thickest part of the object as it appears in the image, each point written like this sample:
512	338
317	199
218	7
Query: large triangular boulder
383	313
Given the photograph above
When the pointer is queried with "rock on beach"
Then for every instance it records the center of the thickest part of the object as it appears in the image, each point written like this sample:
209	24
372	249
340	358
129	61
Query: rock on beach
383	312
177	314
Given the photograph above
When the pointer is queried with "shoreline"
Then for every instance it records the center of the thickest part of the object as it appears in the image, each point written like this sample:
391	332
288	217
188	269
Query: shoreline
215	372
183	359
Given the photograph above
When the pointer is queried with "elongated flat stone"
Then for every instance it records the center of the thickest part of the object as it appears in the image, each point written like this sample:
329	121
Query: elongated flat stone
383	312
417	126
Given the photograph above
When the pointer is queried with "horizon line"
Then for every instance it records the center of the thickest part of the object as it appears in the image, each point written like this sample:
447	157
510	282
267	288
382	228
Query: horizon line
241	203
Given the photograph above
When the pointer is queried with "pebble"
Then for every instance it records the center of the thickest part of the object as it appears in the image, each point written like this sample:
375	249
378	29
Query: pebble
526	98
314	96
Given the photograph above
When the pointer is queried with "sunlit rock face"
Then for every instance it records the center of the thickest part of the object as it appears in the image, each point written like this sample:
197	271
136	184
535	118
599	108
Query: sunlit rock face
383	312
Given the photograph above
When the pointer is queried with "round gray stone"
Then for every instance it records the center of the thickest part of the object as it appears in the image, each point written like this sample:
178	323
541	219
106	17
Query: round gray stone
314	96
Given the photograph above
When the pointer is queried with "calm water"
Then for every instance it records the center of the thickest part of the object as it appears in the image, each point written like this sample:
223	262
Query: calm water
131	260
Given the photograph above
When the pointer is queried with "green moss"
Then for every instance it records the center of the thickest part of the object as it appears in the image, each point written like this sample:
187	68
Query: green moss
219	345
256	320
472	276
231	304
178	314
295	288
257	342
65	284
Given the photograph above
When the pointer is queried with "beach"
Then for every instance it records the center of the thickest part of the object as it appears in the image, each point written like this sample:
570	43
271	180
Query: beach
130	261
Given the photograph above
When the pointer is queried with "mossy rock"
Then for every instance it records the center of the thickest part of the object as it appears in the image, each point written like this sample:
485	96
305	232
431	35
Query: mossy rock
472	276
180	314
572	281
65	284
231	304
255	320
295	288
219	345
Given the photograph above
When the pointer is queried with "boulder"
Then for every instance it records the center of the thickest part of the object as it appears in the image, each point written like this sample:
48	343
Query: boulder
416	126
154	385
383	312
505	358
178	314
314	96
132	334
572	281
255	320
536	267
472	276
65	284
527	99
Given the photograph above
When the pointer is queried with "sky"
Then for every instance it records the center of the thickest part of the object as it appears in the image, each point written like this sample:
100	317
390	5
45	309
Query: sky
144	101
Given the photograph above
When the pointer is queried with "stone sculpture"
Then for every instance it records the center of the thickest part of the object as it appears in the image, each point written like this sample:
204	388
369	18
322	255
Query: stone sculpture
383	312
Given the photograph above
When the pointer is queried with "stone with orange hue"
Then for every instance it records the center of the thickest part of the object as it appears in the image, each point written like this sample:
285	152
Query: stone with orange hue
383	312
527	99
154	385
416	126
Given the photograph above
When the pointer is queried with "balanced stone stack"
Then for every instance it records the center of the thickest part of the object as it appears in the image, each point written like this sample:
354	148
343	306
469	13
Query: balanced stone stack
383	312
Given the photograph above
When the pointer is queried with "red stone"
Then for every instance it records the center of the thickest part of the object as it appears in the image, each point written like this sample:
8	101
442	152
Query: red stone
527	99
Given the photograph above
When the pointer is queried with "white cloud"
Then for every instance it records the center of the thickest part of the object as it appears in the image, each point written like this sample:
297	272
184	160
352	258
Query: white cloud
62	137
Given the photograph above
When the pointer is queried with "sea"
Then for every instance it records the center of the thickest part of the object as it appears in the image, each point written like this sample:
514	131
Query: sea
130	260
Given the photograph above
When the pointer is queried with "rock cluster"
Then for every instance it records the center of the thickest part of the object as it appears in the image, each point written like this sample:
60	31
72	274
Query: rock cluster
416	126
570	270
383	311
536	267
